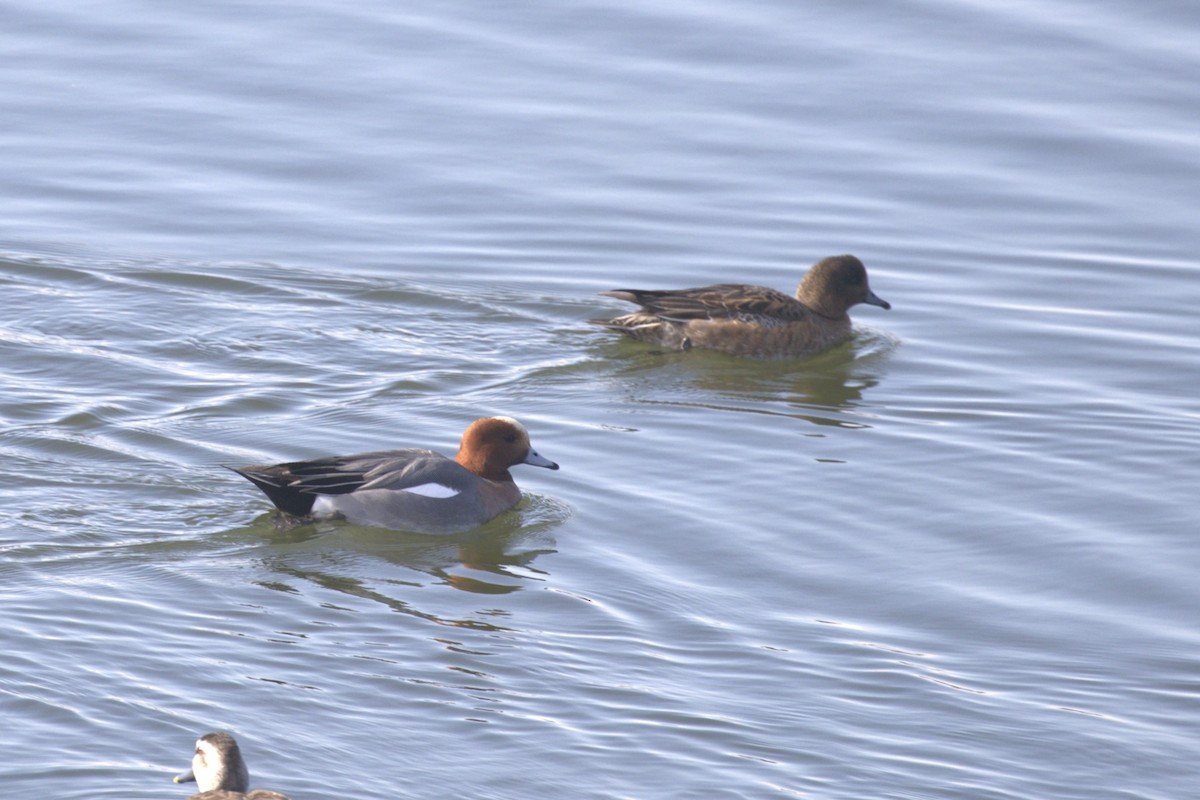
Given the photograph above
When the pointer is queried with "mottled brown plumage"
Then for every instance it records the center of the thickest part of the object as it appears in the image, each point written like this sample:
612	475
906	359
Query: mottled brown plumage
756	321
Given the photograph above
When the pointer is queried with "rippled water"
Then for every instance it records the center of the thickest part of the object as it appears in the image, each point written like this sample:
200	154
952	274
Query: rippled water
954	558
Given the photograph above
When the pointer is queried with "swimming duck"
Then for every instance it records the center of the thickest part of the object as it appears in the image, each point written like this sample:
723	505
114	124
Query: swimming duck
410	489
756	321
220	771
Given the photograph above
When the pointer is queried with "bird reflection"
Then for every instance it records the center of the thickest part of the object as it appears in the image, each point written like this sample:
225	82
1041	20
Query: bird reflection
823	390
496	559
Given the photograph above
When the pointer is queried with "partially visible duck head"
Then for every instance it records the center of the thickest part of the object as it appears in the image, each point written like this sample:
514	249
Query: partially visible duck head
835	284
217	764
493	444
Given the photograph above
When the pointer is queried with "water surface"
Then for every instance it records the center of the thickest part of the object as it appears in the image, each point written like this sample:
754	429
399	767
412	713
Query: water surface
953	558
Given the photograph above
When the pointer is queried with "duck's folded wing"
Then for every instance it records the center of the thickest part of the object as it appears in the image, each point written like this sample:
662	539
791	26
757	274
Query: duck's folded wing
421	472
294	486
723	301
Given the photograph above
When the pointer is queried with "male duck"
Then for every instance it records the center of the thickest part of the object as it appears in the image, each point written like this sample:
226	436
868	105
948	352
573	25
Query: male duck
220	771
755	321
410	489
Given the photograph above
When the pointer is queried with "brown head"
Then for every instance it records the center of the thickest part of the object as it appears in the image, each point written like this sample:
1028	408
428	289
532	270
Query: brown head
493	444
835	284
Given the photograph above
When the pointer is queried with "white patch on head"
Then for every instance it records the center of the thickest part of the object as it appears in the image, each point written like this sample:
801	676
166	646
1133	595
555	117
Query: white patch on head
432	490
205	764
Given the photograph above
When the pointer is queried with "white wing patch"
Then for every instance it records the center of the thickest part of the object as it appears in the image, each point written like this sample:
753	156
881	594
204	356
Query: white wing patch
432	490
332	505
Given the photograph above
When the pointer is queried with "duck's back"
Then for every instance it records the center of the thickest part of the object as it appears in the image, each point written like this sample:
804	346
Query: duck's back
722	301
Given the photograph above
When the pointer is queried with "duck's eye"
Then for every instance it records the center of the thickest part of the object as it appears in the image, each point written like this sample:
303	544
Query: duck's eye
854	280
510	437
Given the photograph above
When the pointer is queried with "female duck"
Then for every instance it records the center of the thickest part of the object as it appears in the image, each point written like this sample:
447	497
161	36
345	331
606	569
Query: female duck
410	489
220	771
743	320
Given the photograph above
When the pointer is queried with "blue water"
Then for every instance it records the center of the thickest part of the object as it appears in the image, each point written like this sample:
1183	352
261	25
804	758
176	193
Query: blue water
954	558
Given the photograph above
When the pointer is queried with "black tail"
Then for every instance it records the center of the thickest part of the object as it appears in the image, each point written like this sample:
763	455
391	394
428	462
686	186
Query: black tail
279	490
